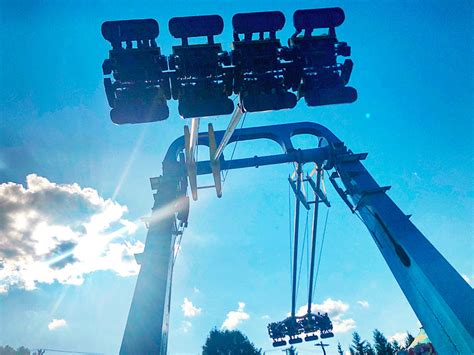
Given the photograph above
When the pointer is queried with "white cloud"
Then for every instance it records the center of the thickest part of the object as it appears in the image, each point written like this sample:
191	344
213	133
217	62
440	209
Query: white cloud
186	326
265	317
189	310
234	318
61	232
329	306
341	325
336	310
468	280
399	337
363	304
57	323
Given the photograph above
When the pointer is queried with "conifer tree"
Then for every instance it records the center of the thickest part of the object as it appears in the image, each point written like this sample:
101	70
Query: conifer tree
358	346
339	349
368	349
396	346
408	340
382	345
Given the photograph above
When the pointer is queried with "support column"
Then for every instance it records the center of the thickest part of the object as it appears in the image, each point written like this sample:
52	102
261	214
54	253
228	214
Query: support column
146	331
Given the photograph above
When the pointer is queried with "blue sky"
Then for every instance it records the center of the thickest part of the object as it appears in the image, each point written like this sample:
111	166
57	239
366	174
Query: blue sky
414	115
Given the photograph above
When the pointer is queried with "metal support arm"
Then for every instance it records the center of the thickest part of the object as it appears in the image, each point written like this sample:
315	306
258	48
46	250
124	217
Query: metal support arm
439	296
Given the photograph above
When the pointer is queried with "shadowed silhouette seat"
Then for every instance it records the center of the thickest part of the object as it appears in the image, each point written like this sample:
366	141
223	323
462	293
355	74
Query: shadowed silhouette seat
316	74
259	72
201	82
139	90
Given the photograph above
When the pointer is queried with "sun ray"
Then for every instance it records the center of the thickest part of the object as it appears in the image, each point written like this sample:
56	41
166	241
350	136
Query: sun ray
130	161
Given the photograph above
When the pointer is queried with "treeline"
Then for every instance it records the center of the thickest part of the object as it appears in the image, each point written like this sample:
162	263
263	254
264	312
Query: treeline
380	346
8	350
234	343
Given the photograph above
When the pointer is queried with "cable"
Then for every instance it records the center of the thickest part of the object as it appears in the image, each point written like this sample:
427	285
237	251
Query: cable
290	213
320	251
233	151
307	249
305	241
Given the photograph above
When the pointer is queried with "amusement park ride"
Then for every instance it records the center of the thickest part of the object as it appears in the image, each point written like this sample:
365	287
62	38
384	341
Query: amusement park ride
266	76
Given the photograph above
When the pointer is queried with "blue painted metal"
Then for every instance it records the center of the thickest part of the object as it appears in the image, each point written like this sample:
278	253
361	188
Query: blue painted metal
318	18
439	296
130	30
299	195
254	22
196	26
441	299
146	331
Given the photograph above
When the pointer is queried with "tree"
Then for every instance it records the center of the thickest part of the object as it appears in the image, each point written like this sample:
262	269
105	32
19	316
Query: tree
396	346
22	351
358	346
368	349
339	349
408	340
228	342
382	346
8	350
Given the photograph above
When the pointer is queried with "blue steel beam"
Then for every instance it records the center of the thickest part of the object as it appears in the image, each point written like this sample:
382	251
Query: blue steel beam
442	300
146	331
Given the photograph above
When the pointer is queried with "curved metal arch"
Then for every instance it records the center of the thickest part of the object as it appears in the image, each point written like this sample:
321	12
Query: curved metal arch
280	134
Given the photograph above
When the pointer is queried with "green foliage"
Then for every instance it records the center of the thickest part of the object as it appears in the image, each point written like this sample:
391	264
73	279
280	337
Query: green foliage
369	350
339	349
228	342
382	345
408	340
396	346
357	347
360	347
8	350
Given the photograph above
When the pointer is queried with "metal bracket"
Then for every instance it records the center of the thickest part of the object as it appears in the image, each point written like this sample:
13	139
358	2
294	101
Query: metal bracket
298	194
215	164
339	191
351	157
322	196
366	193
190	163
